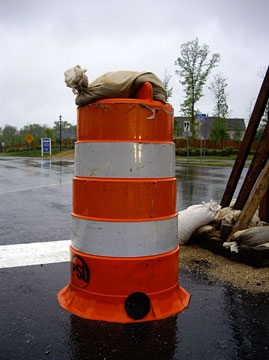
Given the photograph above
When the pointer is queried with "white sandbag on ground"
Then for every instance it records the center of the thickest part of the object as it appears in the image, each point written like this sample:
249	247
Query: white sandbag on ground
116	84
193	217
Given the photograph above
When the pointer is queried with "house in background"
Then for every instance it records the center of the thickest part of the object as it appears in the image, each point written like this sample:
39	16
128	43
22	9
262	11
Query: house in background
234	126
69	134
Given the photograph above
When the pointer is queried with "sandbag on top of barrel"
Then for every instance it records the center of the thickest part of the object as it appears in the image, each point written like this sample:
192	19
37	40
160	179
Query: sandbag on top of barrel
116	84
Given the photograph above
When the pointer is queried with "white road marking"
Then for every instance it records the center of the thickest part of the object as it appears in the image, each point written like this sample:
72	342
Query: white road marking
34	253
34	187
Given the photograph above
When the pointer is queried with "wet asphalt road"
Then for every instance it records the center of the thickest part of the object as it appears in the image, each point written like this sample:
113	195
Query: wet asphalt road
221	322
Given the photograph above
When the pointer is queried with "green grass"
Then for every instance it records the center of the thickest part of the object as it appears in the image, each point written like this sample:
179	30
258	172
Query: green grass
205	163
31	153
209	160
212	157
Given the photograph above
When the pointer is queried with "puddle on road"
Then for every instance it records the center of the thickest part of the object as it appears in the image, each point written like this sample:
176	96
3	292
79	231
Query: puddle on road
62	163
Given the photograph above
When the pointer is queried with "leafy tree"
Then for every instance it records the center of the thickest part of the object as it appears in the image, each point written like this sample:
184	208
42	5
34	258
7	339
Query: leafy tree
194	69
65	125
217	87
177	129
219	130
8	134
50	133
166	80
36	130
236	134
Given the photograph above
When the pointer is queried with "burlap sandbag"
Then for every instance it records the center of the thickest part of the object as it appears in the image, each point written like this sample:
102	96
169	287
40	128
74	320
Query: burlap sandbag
117	84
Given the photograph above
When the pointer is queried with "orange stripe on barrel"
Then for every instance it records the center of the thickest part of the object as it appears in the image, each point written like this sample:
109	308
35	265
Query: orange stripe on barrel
122	275
124	198
99	286
125	120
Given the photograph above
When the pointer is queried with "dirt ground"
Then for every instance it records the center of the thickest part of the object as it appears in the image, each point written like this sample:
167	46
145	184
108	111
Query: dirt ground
69	154
219	268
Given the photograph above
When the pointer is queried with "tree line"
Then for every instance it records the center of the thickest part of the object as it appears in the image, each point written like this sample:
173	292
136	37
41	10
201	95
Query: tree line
12	136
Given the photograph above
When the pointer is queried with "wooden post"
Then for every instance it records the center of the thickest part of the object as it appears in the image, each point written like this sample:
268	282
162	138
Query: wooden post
247	141
253	201
259	160
264	208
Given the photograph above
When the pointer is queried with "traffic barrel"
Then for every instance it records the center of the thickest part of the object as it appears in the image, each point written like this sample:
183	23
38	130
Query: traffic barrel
124	251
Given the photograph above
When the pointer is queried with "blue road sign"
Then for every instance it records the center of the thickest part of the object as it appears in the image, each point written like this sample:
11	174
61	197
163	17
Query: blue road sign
45	146
200	117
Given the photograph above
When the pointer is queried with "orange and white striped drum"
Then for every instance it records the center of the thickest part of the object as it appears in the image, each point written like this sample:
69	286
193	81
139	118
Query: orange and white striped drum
124	252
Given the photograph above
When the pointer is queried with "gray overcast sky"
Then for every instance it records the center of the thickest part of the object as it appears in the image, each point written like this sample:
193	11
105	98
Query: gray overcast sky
40	39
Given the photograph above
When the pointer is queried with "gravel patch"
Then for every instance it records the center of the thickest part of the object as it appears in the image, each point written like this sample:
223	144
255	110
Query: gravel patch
192	258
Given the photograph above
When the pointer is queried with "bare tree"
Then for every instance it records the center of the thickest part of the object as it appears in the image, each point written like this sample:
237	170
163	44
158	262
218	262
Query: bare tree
218	87
166	79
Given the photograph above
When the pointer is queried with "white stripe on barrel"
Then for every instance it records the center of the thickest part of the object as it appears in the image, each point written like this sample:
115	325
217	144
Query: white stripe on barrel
125	159
124	239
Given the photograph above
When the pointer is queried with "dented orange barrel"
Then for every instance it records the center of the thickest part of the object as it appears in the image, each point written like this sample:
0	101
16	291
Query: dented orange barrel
124	252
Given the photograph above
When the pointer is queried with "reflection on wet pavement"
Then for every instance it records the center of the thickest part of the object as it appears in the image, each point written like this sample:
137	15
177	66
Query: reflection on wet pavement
202	183
36	200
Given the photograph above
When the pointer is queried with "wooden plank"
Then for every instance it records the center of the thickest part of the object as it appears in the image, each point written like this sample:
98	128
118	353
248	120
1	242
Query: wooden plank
247	141
259	160
264	208
253	201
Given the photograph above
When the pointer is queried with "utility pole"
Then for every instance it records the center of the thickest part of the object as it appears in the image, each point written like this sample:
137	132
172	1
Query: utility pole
202	119
205	136
60	120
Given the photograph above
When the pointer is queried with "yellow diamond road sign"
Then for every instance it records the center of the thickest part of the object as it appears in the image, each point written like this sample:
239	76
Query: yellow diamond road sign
29	138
